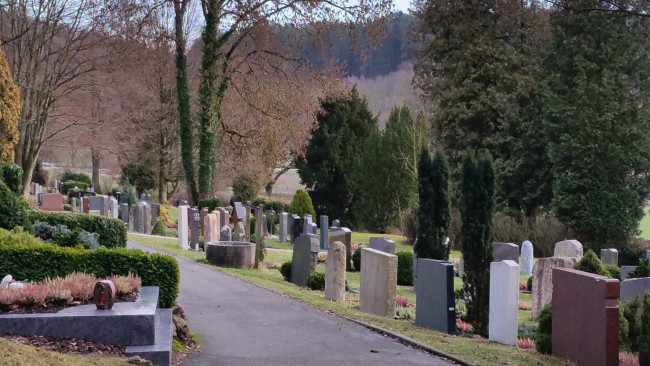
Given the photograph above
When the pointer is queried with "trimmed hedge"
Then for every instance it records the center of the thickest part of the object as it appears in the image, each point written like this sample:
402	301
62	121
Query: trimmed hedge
70	184
37	262
112	232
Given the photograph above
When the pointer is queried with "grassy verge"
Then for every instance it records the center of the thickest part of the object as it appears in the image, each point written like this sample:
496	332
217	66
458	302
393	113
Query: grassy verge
12	353
475	349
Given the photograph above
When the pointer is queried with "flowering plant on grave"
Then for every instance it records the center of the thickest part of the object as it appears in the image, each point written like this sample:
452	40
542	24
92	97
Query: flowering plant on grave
523	286
463	328
525	343
322	257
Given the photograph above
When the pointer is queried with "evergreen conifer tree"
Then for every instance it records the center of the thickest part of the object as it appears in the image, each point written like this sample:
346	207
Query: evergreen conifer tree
9	112
476	209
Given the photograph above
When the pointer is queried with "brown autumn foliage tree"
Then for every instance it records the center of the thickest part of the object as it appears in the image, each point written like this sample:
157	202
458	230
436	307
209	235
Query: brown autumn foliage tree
9	111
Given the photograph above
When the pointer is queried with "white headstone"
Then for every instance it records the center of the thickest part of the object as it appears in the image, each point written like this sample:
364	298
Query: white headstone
527	257
183	223
504	302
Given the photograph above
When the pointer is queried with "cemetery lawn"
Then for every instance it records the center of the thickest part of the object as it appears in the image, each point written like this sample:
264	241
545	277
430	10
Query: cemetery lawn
12	353
644	225
363	238
472	349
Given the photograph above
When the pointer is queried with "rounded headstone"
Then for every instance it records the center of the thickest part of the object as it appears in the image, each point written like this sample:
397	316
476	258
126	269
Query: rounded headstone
527	257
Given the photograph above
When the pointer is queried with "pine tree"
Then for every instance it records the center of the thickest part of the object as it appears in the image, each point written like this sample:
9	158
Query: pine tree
434	214
476	209
9	112
479	67
327	167
597	122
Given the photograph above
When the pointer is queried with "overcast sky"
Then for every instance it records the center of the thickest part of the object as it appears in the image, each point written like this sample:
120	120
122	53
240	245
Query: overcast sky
402	5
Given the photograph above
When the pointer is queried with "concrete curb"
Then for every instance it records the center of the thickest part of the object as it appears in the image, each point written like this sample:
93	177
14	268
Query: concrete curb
398	337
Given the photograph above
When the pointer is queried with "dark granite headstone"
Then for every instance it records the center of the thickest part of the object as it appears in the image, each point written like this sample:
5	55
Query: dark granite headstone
591	301
506	251
125	212
295	227
304	259
435	302
324	232
633	287
195	218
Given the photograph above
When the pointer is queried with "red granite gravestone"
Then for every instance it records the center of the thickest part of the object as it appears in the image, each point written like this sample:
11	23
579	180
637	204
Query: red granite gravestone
86	205
52	202
585	317
204	211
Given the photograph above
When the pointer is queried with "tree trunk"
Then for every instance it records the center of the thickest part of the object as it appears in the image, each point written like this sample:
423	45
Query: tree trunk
29	162
162	164
95	158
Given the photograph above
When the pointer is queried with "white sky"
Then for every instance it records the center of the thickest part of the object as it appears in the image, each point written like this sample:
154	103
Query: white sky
402	5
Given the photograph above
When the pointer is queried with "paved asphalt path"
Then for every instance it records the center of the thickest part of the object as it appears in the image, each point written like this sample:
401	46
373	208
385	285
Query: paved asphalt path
243	324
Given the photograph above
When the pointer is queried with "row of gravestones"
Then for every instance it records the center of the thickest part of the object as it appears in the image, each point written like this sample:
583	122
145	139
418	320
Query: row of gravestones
290	228
140	217
214	226
435	307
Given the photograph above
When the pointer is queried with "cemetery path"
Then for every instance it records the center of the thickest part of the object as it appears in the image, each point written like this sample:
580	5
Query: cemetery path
242	324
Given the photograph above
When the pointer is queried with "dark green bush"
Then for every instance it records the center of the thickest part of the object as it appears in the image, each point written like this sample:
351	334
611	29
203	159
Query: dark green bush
644	331
529	284
624	341
544	330
614	271
405	268
356	259
630	311
210	203
12	175
62	236
262	248
70	184
158	229
112	232
526	330
128	194
13	209
79	177
36	263
67	207
301	205
285	270
592	264
316	281
40	175
642	270
245	188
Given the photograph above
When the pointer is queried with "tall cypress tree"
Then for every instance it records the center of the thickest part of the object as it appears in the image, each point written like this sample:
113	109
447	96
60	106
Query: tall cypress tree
597	121
476	210
433	211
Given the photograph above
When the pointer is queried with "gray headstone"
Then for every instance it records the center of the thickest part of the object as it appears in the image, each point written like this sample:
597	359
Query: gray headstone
104	205
132	217
239	212
295	227
146	219
336	223
647	254
506	251
94	203
625	270
226	233
195	218
609	256
240	233
435	304
633	287
155	211
382	243
224	216
139	216
324	232
114	208
304	259
313	229
378	285
527	257
504	302
335	272
306	228
39	199
568	248
284	218
183	227
344	235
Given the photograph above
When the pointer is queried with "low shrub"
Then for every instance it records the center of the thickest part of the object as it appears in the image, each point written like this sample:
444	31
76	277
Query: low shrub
285	270
624	341
529	284
642	270
644	331
158	229
261	250
61	235
316	281
79	177
356	259
592	264
71	184
526	330
67	207
544	330
164	218
525	343
112	232
402	302
34	261
13	209
12	175
210	203
405	268
245	188
17	236
630	311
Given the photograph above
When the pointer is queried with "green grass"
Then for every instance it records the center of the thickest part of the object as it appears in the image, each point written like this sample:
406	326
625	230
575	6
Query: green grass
363	238
476	349
12	353
644	225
